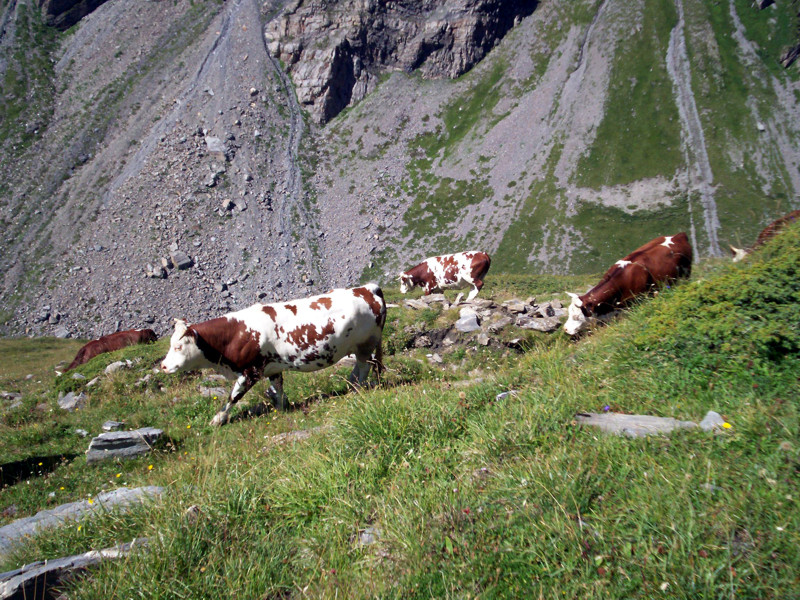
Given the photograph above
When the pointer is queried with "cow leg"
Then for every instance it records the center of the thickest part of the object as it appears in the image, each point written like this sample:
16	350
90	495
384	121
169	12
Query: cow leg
363	364
276	394
476	287
240	388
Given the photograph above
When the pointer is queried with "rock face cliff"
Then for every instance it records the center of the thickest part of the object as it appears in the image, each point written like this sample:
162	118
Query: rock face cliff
336	51
180	158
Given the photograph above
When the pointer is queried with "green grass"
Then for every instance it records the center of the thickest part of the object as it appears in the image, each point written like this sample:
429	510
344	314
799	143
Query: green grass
473	496
640	137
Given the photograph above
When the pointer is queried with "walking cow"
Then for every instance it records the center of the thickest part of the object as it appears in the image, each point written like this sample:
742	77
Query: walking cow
266	339
449	271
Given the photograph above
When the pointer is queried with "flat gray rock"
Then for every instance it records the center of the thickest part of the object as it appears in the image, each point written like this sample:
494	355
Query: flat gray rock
120	499
41	578
415	304
546	324
632	425
122	444
112	425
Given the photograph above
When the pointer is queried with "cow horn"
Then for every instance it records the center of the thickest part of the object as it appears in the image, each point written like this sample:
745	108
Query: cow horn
576	300
738	253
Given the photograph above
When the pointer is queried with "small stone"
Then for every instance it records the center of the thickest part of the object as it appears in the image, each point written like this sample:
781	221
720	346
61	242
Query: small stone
504	395
483	339
71	402
467	324
711	421
180	260
112	425
369	536
114	367
81	432
78	376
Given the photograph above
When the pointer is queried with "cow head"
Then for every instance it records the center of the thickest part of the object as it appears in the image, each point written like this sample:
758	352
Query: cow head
576	319
405	283
738	253
183	352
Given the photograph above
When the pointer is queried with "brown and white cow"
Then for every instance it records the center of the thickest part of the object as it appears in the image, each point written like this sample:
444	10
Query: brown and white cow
111	342
264	340
769	232
446	272
661	260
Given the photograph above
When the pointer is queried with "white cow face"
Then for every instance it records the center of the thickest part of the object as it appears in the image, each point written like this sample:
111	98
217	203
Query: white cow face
576	320
183	352
405	283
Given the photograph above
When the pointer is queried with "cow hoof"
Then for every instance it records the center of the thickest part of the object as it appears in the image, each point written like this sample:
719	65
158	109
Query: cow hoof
219	419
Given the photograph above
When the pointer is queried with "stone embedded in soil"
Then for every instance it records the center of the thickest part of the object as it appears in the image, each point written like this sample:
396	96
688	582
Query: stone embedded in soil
120	499
547	325
41	579
122	444
468	323
71	401
632	425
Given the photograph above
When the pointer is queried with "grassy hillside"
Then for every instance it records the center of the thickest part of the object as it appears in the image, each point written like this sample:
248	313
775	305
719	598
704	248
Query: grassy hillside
471	496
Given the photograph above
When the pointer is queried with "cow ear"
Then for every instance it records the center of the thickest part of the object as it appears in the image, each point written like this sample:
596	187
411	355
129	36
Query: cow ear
180	327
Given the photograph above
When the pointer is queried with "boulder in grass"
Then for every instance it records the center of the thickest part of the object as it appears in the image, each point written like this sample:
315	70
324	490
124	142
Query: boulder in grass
122	444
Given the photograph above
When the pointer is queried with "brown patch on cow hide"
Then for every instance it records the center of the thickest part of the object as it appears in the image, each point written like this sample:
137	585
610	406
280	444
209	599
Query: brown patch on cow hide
450	265
307	336
271	312
228	342
421	275
374	305
321	302
292	308
479	265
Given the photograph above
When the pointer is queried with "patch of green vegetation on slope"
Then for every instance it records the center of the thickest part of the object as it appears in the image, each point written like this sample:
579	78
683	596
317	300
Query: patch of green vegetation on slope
438	201
612	232
774	30
726	91
639	136
466	493
26	101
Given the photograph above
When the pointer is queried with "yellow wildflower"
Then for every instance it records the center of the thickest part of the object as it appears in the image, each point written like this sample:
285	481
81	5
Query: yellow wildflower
727	425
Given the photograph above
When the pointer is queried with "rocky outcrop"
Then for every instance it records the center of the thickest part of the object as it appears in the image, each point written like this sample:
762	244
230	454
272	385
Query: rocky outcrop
335	51
63	14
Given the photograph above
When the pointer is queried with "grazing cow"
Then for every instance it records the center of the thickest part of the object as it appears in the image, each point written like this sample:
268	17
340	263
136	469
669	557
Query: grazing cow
769	232
111	342
447	272
661	260
266	339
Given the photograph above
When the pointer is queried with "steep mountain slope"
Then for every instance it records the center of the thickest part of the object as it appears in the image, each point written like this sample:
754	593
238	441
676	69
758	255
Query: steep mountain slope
589	127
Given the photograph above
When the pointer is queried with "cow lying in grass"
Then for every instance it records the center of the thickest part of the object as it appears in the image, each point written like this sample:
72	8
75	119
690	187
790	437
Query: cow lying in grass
111	342
266	339
659	261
